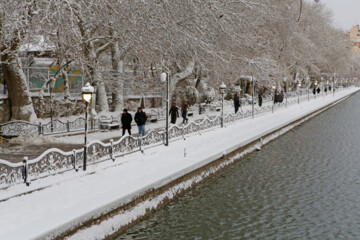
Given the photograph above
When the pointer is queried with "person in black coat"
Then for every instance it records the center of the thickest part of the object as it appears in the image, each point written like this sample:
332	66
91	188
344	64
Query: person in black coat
236	103
140	119
126	120
260	100
174	112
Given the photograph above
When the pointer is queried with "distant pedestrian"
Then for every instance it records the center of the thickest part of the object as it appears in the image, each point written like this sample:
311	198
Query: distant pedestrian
126	120
140	119
174	112
318	90
281	97
236	103
184	108
275	97
260	100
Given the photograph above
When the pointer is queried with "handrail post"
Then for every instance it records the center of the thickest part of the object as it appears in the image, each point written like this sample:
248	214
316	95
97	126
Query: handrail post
40	128
112	150
26	178
68	126
73	159
140	144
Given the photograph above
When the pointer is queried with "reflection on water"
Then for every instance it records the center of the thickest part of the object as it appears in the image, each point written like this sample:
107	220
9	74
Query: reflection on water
305	185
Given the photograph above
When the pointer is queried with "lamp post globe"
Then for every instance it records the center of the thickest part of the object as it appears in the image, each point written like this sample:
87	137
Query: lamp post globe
87	92
222	89
163	77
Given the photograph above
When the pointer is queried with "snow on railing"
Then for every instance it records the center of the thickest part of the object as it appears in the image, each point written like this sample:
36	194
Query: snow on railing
54	161
23	128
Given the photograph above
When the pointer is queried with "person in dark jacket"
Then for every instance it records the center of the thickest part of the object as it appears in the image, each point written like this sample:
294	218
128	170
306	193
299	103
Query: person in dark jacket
140	119
126	120
184	108
318	90
174	112
260	100
236	103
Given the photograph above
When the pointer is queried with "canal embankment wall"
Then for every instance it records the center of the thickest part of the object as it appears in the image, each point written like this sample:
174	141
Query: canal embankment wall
112	196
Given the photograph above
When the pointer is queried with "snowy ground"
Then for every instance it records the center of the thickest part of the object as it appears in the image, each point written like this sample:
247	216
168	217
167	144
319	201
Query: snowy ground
61	201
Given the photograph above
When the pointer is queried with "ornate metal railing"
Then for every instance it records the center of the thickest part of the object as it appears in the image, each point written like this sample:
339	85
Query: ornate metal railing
54	161
20	128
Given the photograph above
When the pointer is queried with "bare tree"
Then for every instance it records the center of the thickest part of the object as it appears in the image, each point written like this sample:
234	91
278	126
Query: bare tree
15	23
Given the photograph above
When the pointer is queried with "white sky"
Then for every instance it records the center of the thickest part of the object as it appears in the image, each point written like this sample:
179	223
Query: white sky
346	12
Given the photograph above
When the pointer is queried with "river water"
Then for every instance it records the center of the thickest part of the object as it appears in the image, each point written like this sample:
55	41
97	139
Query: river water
304	185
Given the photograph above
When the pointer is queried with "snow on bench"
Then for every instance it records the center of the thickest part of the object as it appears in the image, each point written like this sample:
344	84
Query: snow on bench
108	123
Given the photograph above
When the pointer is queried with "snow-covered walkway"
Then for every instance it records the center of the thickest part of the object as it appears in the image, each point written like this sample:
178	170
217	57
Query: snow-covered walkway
61	201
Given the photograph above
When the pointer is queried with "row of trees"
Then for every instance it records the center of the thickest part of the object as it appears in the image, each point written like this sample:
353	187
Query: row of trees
201	42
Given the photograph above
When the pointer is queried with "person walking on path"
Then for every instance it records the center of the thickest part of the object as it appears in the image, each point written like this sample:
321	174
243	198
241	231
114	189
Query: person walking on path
126	120
184	108
174	112
236	103
140	119
260	100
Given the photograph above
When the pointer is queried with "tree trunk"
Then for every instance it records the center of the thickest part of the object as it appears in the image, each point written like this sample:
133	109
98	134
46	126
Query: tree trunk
118	83
178	77
66	84
101	98
19	95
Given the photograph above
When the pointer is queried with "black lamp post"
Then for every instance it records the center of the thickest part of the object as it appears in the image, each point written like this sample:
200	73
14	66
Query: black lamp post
333	84
253	96
286	91
164	77
299	85
222	89
52	85
323	83
327	86
308	90
86	92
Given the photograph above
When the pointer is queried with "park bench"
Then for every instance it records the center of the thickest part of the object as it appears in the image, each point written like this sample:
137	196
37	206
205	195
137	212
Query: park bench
108	123
153	118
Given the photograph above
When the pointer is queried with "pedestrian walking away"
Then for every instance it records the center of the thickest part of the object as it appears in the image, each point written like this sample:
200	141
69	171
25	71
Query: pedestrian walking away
174	112
140	119
236	103
260	100
126	120
184	108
